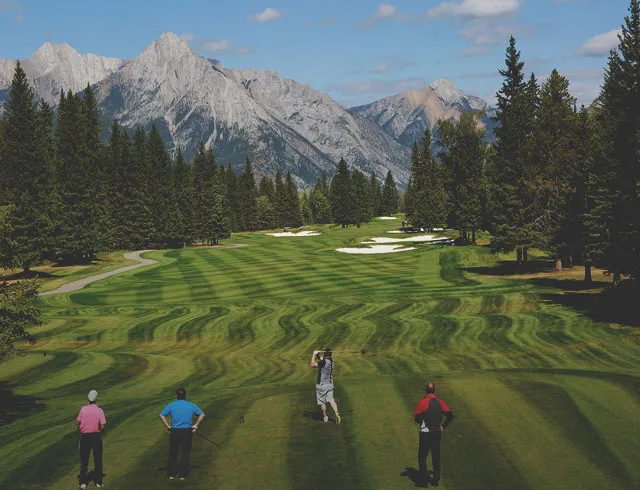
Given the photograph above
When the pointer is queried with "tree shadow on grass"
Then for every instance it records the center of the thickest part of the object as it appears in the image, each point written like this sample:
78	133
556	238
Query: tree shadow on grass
612	305
512	268
21	275
609	305
14	406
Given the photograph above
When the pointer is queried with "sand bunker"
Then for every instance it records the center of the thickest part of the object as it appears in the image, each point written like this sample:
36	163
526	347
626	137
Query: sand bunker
302	233
420	238
386	217
376	249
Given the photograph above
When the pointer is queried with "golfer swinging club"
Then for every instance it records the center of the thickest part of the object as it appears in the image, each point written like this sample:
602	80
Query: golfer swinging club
323	362
181	412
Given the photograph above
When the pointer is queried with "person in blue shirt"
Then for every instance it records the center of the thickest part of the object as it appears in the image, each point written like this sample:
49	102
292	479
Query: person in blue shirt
182	428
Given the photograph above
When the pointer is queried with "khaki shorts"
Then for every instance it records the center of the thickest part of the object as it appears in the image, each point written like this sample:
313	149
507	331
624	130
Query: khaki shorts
324	394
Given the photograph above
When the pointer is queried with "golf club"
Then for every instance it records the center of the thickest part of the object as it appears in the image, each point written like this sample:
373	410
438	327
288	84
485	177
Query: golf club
209	440
361	351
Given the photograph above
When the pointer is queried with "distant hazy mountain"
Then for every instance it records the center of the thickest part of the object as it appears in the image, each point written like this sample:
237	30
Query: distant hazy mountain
405	116
277	122
58	66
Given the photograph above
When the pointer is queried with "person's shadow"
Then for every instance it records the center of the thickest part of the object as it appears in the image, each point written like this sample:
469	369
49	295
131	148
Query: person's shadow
418	479
313	415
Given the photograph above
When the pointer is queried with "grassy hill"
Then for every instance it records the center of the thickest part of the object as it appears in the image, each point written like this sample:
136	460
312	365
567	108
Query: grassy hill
544	396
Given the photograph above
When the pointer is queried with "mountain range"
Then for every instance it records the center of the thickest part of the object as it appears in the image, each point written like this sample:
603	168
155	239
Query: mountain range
277	122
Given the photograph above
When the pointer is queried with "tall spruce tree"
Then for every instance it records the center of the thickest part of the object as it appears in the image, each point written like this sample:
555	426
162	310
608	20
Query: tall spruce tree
183	199
231	183
292	206
513	220
361	202
615	172
375	196
247	194
426	200
319	200
342	195
389	198
25	170
558	182
464	153
159	165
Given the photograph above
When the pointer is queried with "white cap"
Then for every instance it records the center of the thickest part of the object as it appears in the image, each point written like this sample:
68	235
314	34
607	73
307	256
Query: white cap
93	394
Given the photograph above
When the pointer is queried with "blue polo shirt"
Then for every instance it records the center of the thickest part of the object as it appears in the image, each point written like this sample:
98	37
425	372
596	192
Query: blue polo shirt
182	413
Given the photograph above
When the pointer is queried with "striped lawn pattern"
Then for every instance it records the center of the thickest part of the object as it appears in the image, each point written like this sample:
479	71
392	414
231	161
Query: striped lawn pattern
543	397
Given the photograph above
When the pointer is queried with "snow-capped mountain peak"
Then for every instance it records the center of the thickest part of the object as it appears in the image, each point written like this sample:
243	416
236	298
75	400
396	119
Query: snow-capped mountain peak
447	90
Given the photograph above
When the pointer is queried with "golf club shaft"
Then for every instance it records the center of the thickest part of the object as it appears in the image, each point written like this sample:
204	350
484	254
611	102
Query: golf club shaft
209	440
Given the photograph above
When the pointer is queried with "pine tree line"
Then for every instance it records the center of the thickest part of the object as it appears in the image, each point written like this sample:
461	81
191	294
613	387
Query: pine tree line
558	178
72	196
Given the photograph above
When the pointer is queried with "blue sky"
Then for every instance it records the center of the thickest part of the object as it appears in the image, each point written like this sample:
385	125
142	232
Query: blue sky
357	51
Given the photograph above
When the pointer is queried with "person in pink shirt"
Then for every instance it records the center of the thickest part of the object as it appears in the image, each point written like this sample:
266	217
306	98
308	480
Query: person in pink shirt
91	422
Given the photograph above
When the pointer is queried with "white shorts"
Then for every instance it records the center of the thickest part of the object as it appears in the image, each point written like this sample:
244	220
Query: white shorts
324	393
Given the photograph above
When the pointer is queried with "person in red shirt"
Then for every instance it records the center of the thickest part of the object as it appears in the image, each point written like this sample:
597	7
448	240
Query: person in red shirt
91	422
428	414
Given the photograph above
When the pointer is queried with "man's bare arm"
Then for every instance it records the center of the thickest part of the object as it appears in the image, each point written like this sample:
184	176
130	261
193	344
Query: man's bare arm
164	421
200	417
314	359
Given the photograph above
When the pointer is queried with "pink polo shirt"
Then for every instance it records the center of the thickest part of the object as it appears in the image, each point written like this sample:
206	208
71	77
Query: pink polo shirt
90	417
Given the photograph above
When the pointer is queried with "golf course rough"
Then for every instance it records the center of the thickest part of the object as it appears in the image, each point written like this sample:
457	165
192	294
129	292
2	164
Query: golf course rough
544	397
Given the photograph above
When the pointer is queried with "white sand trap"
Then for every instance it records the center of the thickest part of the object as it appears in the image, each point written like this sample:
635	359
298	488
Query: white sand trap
386	217
420	238
302	233
376	249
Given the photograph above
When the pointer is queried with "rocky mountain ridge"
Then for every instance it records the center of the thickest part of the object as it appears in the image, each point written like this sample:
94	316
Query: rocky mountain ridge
277	122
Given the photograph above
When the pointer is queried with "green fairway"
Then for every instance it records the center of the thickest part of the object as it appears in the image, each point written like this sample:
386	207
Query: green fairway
543	396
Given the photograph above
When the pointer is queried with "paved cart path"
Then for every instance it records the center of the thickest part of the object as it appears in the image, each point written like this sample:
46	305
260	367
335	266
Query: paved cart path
79	284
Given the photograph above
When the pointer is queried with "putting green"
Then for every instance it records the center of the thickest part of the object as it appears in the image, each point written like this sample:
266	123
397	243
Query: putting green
543	396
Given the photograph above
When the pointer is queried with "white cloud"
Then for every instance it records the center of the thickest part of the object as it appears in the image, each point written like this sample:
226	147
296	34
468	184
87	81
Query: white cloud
474	50
267	15
187	37
385	11
217	46
380	69
376	87
222	45
601	44
474	8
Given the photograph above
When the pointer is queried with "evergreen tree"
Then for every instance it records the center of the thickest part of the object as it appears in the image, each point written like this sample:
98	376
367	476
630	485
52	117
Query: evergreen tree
247	194
319	200
159	165
361	201
558	182
375	196
183	199
18	301
280	201
266	215
292	206
231	183
463	153
342	195
615	172
305	210
426	200
141	190
389	200
267	188
25	170
513	227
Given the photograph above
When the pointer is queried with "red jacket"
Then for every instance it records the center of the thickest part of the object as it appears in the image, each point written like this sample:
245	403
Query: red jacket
430	411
